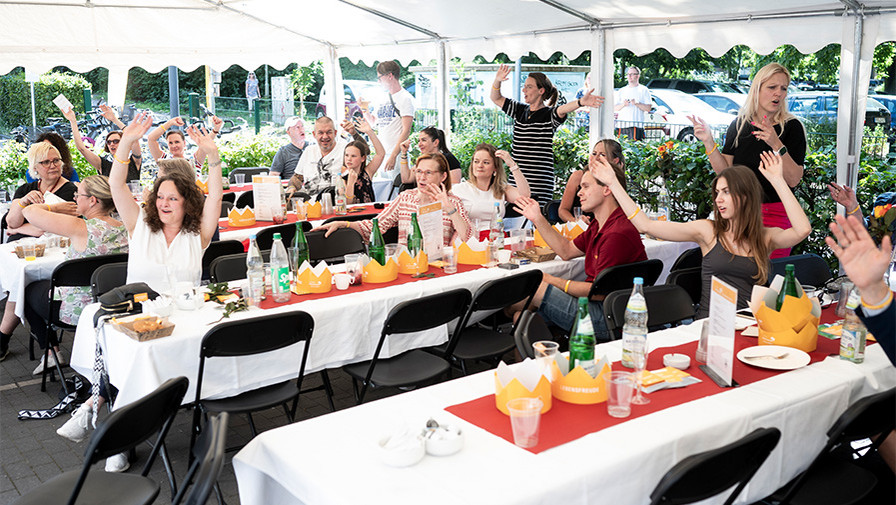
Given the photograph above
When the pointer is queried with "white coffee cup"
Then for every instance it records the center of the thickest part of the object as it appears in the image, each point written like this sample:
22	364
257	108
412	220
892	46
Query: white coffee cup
504	256
343	281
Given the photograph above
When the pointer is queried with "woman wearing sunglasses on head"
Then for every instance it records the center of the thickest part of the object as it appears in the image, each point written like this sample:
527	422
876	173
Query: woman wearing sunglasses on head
103	165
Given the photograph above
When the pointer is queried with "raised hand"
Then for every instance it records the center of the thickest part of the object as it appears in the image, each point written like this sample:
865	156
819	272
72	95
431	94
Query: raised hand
766	133
405	146
701	129
175	121
217	123
348	126
863	261
527	207
202	138
363	126
70	115
589	100
771	166
137	129
108	113
844	195
502	74
504	155
601	170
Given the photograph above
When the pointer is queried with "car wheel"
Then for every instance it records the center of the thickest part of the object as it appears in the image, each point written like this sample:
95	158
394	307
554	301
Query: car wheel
687	135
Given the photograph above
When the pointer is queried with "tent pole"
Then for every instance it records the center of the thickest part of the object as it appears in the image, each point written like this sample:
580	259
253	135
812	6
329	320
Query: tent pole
442	91
517	77
854	140
599	69
333	83
173	92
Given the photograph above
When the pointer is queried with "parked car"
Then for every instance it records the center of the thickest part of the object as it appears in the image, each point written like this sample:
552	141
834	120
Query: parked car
724	102
358	96
821	106
693	85
675	107
888	101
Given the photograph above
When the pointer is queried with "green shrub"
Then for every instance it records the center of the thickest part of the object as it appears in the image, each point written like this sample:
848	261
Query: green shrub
15	97
249	150
13	165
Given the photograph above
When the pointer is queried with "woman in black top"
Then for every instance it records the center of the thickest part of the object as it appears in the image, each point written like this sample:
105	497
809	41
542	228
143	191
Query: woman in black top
431	140
103	165
763	124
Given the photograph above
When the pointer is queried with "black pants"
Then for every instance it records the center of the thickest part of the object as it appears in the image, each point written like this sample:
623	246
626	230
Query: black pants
37	305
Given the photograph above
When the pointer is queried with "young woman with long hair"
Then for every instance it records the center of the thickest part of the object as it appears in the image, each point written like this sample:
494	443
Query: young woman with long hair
430	140
487	183
357	170
606	149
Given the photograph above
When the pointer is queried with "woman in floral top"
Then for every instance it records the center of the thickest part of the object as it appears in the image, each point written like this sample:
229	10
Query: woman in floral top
96	234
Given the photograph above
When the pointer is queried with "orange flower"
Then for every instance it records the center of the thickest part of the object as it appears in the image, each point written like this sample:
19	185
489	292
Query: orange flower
661	149
670	144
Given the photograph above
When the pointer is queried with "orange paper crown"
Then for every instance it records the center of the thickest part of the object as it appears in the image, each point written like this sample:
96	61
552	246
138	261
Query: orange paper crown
409	265
376	273
508	386
568	230
241	217
312	210
202	186
472	252
313	280
796	325
578	386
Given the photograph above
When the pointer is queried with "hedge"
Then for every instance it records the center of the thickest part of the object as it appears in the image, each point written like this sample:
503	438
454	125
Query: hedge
15	97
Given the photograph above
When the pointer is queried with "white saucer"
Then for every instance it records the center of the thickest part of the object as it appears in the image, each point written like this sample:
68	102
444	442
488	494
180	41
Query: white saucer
795	357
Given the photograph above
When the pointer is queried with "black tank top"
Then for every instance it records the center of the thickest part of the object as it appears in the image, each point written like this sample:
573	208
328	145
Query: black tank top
738	271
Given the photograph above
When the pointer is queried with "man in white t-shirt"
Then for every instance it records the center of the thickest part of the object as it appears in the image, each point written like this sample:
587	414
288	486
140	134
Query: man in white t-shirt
632	102
394	117
321	162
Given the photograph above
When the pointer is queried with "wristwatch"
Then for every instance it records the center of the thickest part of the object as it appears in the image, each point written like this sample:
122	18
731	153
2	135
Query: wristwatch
782	151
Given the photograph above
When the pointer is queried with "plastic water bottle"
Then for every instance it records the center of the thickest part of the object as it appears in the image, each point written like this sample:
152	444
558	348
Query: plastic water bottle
663	205
495	235
339	204
634	333
255	273
854	333
279	271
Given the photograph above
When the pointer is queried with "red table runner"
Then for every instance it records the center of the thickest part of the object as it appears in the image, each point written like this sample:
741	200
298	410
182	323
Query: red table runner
566	422
291	218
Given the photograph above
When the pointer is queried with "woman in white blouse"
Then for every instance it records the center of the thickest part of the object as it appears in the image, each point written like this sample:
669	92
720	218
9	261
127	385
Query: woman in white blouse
487	183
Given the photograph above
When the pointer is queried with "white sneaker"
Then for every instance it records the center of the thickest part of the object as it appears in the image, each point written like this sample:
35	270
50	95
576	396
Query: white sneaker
117	463
51	363
75	429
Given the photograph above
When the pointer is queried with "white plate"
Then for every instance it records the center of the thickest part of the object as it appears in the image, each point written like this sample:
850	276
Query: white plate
795	357
741	323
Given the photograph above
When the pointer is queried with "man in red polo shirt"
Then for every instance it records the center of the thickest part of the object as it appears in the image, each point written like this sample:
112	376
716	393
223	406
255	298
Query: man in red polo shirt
610	240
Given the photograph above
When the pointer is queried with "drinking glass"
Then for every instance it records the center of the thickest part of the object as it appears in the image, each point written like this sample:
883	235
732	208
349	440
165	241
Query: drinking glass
639	359
577	212
239	179
449	259
353	267
619	398
136	190
530	238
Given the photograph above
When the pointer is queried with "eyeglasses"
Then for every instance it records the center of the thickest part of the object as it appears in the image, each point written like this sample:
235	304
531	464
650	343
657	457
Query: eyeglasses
81	195
113	141
48	163
427	173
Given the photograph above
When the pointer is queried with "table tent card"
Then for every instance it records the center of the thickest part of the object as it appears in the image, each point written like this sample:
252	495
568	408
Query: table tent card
266	193
525	380
720	345
796	325
429	218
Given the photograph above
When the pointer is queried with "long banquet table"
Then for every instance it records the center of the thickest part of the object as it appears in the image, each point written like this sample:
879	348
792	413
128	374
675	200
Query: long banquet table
332	459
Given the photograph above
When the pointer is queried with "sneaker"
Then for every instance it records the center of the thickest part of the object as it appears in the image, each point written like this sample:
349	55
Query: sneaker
75	429
51	363
117	463
4	352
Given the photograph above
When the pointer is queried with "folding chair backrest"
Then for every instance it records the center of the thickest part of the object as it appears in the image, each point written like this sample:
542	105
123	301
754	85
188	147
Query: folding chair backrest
689	259
666	304
246	199
690	279
551	211
530	328
265	237
332	249
427	312
226	268
209	454
709	473
108	277
809	268
226	207
622	276
352	217
78	272
257	335
216	249
248	171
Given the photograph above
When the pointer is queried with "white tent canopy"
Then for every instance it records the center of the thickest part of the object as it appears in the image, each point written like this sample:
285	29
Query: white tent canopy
152	34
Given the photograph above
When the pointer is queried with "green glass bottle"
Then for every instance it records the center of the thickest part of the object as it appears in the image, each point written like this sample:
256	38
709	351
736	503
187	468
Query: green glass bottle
377	247
581	340
789	286
299	251
415	238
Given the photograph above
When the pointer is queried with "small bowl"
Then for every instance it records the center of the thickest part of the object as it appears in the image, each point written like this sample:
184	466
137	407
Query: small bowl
445	441
407	452
679	361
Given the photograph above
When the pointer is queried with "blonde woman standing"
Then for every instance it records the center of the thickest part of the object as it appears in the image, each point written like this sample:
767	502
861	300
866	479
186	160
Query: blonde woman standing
488	184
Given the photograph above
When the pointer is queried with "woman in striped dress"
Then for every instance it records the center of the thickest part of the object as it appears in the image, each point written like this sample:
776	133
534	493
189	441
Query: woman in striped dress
535	122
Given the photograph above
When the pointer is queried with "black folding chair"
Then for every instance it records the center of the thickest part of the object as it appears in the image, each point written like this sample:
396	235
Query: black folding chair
835	478
709	473
623	276
351	217
248	172
123	430
108	277
691	280
208	461
530	328
265	236
268	333
216	249
332	249
551	211
226	207
666	305
416	366
477	343
692	258
229	198
809	269
246	199
70	273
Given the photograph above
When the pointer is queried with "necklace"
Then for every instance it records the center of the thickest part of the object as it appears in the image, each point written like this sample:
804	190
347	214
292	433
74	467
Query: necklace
51	190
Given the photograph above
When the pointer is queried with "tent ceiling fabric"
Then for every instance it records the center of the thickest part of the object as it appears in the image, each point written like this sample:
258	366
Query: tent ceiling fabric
153	34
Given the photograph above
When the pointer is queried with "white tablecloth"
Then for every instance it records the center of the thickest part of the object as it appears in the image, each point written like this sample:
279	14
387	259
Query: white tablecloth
17	273
665	251
331	459
346	330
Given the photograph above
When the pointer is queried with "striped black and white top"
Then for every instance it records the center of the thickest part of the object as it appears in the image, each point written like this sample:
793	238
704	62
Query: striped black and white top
533	134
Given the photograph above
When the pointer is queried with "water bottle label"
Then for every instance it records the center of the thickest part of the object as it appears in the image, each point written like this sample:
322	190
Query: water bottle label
636	304
281	275
588	364
585	326
854	299
848	341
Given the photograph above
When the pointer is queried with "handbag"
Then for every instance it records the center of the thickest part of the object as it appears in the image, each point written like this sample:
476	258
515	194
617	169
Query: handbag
124	299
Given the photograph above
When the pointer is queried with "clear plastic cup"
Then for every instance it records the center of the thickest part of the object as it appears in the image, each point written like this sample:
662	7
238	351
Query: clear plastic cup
517	240
449	260
240	179
620	386
29	251
530	238
545	351
525	420
391	251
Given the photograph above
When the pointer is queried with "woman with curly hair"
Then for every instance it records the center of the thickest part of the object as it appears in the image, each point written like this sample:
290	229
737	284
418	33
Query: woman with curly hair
168	236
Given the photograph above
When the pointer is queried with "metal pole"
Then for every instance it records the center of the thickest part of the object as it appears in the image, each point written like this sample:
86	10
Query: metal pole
853	144
194	105
173	92
33	112
88	100
442	91
257	112
517	75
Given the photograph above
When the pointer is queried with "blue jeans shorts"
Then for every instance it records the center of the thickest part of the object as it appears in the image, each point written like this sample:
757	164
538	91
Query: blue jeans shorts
559	309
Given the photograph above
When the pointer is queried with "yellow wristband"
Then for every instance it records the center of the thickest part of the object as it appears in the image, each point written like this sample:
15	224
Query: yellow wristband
496	87
118	160
20	204
853	211
348	224
713	150
566	288
635	213
887	300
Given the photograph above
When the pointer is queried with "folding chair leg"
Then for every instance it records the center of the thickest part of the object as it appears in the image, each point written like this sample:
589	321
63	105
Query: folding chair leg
290	414
325	378
166	462
58	369
252	424
195	430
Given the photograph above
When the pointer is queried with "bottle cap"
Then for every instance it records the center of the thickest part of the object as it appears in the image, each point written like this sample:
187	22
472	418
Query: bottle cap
277	236
252	236
639	280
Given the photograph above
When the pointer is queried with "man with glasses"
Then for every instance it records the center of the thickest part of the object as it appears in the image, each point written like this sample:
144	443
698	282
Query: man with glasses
610	240
632	102
394	117
288	156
